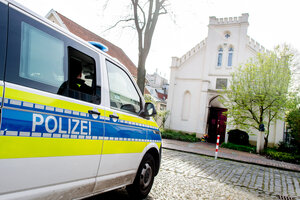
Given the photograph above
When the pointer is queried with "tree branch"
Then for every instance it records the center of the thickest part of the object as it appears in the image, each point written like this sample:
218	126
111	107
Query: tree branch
118	22
136	21
144	16
164	10
135	14
149	16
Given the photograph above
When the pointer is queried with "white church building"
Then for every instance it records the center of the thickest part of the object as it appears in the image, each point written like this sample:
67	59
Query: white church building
198	76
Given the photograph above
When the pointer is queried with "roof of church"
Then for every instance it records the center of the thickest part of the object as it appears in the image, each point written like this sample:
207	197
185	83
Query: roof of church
87	35
229	20
178	61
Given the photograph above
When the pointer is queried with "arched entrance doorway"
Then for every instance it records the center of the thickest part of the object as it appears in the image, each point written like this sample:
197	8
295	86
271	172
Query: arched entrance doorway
216	120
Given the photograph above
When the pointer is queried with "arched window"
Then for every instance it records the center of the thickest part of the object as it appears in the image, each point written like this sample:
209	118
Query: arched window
186	105
227	34
230	54
220	55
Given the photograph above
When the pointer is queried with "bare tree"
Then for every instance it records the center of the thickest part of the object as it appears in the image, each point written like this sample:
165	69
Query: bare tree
144	15
145	27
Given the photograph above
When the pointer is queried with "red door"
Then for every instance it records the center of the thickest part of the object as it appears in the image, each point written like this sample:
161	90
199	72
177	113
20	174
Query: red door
216	124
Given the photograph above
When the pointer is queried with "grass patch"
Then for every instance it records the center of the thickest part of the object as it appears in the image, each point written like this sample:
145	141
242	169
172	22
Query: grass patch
282	156
178	135
251	149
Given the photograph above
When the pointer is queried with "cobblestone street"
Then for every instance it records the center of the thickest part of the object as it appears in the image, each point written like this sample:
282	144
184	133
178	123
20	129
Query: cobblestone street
191	176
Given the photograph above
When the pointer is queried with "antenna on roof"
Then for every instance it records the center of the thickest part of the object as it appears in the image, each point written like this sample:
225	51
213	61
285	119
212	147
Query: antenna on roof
100	46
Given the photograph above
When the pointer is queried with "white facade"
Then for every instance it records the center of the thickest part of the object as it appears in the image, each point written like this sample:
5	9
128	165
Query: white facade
194	76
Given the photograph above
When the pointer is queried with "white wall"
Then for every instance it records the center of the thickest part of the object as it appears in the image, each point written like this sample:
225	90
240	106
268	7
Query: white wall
275	136
189	123
197	71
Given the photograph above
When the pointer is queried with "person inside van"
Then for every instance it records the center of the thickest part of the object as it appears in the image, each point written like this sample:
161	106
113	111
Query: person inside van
75	82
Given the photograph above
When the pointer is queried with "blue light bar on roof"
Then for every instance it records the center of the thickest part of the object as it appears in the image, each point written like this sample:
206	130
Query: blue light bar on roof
100	46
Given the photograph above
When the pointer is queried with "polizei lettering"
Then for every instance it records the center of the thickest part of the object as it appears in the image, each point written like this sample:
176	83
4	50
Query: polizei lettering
52	124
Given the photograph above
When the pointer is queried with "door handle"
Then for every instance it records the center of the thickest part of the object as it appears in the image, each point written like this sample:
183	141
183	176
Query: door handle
114	116
93	112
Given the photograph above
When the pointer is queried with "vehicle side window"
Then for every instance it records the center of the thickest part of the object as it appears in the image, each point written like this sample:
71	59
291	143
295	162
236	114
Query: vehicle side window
3	36
36	54
42	56
123	94
81	81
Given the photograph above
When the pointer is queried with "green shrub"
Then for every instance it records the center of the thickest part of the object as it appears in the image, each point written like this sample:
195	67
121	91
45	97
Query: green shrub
178	135
293	120
246	148
286	147
282	156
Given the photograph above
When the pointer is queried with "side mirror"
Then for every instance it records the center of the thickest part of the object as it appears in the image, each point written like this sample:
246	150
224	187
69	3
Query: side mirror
149	110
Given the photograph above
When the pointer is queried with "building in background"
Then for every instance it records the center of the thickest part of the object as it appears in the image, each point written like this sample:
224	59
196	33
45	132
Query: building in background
198	76
158	87
156	80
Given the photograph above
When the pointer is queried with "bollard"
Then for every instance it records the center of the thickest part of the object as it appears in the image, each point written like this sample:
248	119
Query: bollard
217	146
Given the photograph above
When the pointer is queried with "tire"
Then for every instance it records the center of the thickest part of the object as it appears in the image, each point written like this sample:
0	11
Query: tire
144	179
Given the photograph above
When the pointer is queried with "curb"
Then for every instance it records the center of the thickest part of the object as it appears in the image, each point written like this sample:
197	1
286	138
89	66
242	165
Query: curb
241	161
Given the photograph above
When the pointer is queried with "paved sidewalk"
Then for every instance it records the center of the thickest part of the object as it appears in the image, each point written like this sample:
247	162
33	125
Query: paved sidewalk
209	149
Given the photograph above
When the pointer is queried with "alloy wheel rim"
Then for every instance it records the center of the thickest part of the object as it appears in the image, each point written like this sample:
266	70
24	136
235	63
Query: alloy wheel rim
146	176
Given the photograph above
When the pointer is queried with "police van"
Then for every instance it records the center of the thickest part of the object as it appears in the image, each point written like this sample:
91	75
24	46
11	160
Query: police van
73	121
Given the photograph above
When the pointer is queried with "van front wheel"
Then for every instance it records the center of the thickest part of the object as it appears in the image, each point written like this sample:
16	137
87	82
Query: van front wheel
144	179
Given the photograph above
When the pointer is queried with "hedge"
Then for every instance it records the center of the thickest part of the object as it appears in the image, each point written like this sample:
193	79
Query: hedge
245	148
169	134
282	156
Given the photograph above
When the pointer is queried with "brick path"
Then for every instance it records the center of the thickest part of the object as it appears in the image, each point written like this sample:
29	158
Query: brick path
208	149
260	179
190	176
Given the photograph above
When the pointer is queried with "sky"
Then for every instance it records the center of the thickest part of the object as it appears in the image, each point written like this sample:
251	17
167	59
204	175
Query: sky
272	22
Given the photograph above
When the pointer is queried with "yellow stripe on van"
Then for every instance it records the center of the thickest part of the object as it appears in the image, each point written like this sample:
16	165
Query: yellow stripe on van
153	124
127	117
158	144
28	147
44	100
1	91
116	147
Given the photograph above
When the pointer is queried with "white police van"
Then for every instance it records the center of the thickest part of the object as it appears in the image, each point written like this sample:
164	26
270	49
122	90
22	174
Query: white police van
59	142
